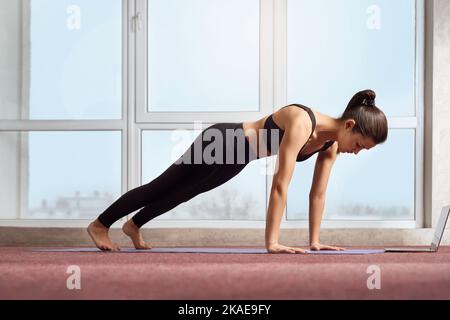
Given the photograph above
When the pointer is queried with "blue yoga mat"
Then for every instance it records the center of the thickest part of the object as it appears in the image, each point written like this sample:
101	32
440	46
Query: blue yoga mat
212	250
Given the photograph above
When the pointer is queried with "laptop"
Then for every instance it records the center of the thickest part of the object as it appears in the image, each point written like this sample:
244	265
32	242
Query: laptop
438	233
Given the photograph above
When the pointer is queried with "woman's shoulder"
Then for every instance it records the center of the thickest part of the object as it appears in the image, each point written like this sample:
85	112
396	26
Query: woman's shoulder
293	115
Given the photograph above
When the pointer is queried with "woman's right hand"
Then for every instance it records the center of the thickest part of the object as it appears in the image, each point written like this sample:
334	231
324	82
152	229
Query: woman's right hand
278	248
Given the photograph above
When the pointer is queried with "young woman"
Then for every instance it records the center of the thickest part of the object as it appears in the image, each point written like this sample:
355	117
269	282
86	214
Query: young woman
302	132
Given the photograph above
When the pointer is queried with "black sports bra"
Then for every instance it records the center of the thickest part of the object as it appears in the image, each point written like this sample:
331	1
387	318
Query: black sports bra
270	124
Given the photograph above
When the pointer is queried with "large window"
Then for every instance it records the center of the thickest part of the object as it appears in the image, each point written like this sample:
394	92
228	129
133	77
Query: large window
95	93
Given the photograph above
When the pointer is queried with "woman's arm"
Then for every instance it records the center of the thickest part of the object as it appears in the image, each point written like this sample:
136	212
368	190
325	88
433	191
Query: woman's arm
295	136
317	196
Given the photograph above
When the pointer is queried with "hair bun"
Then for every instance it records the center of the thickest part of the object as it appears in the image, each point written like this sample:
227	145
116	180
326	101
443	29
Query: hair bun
362	98
368	97
368	102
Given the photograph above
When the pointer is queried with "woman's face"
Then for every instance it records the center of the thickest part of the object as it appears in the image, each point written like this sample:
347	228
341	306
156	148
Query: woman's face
349	142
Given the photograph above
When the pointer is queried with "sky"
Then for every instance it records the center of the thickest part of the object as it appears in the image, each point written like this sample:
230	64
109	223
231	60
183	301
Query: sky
336	48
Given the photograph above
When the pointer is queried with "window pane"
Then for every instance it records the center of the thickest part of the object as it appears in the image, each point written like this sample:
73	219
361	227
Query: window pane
374	185
241	198
59	175
203	55
64	57
336	48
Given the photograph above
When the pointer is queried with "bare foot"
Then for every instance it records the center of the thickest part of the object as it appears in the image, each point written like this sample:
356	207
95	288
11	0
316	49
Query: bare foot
131	230
99	234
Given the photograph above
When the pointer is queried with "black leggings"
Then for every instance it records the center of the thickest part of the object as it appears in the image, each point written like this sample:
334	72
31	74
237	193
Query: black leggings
192	174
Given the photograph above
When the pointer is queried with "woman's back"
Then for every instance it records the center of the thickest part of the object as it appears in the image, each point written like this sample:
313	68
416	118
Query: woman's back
276	121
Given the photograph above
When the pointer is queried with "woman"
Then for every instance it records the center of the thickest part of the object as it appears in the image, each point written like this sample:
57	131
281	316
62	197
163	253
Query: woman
301	131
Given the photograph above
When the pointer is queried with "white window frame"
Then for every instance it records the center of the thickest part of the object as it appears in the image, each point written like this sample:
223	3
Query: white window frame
136	119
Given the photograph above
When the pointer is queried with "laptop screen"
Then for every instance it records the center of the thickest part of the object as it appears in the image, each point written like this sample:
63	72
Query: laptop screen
440	226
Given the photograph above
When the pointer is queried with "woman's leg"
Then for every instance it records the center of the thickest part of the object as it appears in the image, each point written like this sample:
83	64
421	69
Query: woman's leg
176	177
220	175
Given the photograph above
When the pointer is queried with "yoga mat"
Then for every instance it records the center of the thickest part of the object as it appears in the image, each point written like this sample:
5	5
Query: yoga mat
212	250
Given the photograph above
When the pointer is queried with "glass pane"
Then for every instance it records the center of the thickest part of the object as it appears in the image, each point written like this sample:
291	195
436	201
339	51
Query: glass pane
336	48
61	60
374	185
241	198
59	175
203	55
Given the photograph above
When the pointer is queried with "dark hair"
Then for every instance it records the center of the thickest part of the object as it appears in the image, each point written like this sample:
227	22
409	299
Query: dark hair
370	120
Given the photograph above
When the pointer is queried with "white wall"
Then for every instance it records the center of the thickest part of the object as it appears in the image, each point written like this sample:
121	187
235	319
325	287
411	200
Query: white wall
440	191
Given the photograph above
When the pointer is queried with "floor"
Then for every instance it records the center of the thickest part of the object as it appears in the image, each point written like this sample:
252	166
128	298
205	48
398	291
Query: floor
168	276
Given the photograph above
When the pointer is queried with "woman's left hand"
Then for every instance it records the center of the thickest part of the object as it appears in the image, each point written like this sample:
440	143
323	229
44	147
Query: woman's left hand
318	247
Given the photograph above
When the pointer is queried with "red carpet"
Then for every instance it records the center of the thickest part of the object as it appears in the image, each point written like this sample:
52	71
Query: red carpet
42	275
